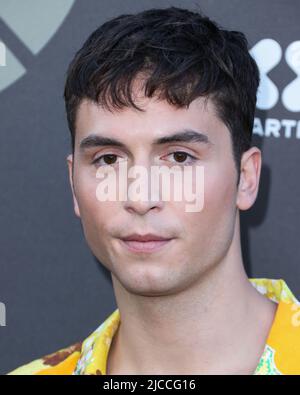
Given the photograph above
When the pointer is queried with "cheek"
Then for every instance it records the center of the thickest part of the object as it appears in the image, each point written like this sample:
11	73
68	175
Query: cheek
220	183
219	193
219	211
86	195
216	218
95	214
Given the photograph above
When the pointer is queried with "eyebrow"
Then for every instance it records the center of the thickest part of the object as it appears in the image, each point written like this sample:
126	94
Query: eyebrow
186	136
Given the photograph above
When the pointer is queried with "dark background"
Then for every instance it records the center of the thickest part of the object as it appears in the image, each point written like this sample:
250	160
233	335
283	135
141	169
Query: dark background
54	290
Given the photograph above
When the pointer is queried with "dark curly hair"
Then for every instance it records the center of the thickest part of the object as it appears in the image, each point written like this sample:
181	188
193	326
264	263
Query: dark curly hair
182	54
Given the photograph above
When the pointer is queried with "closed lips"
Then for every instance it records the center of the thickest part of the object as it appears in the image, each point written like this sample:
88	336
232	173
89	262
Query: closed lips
145	243
145	238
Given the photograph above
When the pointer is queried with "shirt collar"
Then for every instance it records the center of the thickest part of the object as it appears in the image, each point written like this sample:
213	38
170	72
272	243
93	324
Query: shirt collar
95	348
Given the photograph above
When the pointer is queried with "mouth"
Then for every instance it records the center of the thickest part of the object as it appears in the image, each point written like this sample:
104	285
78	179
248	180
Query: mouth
145	243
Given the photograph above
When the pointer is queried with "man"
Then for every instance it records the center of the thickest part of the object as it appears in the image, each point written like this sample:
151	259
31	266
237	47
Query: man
168	87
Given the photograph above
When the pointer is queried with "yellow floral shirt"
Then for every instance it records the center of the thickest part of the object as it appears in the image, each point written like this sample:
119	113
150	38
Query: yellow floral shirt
281	354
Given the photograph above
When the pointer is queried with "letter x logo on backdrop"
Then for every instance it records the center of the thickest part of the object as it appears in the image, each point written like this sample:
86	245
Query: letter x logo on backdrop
267	54
33	23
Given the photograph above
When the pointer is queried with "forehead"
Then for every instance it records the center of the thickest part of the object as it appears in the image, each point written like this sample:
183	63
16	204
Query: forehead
158	119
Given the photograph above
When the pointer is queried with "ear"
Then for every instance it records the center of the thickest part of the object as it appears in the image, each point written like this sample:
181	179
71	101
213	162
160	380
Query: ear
70	167
249	178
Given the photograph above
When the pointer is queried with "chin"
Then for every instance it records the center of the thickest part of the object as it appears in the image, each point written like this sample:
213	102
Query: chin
148	291
148	286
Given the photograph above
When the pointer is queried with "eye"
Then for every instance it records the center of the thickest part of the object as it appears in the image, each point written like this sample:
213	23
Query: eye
109	159
181	156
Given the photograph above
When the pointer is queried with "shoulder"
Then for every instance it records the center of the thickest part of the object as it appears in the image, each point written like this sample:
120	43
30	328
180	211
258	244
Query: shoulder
66	360
284	338
61	362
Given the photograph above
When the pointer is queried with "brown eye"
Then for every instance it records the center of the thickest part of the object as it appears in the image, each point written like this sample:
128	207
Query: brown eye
108	159
180	156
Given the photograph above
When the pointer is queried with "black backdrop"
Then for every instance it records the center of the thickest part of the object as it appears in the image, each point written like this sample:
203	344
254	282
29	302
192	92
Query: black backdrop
54	291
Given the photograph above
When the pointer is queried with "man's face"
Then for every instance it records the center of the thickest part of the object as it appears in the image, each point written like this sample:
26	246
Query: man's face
199	239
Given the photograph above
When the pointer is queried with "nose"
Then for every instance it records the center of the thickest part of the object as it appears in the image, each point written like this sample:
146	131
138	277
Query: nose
142	207
142	195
